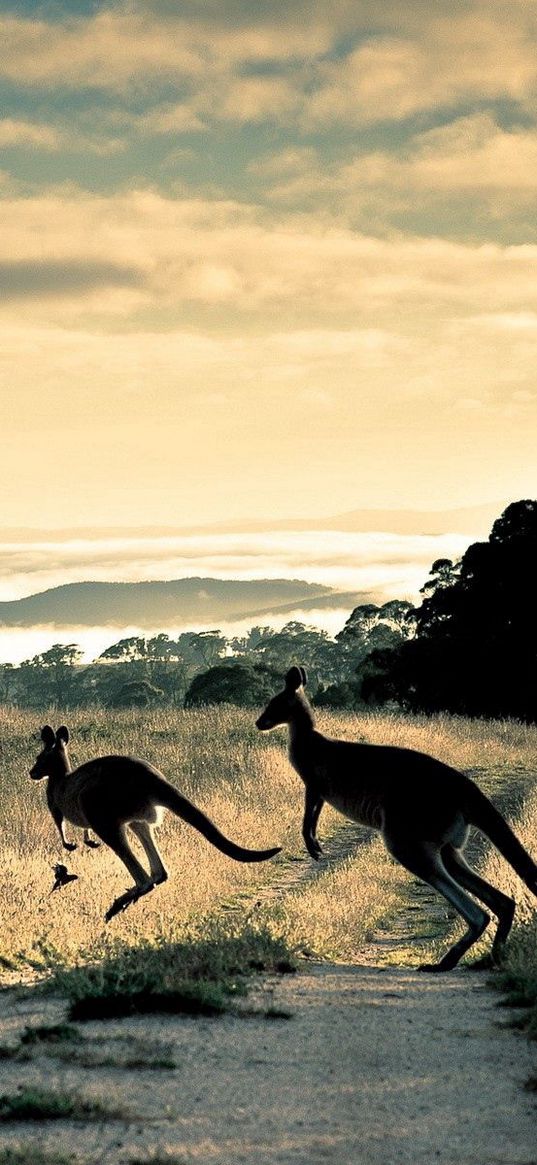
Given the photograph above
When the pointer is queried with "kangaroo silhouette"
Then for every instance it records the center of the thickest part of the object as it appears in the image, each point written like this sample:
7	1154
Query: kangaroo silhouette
111	792
422	807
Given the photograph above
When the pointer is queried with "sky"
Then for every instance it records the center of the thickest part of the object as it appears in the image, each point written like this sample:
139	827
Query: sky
265	258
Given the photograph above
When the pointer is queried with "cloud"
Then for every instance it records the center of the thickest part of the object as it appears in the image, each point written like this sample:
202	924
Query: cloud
356	64
15	132
180	251
344	561
467	178
20	279
169	118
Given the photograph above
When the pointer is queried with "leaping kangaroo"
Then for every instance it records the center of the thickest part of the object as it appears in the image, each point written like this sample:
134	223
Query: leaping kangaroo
110	792
422	807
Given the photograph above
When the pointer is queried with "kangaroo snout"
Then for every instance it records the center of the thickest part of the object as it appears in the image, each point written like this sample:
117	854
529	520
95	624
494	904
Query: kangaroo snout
263	723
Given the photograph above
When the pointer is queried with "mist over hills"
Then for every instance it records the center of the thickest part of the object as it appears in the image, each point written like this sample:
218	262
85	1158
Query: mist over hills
153	604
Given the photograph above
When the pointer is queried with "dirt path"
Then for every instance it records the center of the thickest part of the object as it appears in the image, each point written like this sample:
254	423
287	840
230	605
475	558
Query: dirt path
375	1066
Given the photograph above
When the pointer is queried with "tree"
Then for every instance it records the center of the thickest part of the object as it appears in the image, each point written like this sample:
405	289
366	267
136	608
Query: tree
475	648
234	683
130	650
374	628
202	648
296	642
7	686
52	676
137	694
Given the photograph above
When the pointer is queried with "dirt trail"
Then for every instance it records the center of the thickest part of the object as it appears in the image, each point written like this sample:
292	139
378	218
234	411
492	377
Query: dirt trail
375	1066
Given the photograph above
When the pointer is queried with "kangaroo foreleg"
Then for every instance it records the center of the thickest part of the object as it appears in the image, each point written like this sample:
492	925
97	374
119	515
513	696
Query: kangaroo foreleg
312	808
58	821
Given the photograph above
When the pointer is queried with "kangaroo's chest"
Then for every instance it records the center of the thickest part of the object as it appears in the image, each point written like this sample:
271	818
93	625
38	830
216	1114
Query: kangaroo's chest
354	795
66	799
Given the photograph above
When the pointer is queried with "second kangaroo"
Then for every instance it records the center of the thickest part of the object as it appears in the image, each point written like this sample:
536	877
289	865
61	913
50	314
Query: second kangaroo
110	792
422	807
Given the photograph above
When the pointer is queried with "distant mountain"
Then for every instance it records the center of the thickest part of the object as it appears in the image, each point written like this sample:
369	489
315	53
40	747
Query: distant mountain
475	521
166	604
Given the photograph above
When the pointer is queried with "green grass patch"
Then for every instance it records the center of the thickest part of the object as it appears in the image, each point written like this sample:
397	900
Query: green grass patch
39	1104
30	1156
137	1057
201	975
58	1033
200	998
521	992
158	1160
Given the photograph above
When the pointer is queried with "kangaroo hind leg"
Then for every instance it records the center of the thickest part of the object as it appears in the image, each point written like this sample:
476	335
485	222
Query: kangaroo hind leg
425	861
500	904
114	836
144	833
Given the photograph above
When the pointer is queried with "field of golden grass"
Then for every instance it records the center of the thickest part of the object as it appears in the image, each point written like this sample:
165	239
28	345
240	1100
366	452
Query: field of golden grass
244	781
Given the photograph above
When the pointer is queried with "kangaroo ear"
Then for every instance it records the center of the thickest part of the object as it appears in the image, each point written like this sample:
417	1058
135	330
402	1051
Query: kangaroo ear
293	679
48	736
304	675
63	734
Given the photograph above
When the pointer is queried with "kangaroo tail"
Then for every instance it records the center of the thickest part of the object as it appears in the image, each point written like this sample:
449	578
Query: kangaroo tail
482	813
171	799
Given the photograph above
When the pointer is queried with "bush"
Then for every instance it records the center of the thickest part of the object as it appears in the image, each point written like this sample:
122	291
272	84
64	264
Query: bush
248	685
137	694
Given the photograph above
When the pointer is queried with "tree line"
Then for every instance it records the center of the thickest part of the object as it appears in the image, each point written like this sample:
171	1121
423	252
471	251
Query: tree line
469	647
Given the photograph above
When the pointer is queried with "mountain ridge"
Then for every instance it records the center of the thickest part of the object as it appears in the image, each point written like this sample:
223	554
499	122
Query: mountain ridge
473	520
150	604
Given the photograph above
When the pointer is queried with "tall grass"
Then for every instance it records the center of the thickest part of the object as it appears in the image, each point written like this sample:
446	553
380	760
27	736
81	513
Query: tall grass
244	781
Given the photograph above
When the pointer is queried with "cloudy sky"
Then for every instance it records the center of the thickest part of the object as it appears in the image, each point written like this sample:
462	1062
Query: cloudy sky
265	258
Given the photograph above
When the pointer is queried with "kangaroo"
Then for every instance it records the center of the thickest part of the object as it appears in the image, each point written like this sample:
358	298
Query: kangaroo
422	807
110	792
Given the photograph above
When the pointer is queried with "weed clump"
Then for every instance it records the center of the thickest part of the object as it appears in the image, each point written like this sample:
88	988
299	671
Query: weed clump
202	975
38	1104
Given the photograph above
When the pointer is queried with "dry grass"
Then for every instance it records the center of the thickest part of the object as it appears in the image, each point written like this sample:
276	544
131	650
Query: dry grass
335	912
244	781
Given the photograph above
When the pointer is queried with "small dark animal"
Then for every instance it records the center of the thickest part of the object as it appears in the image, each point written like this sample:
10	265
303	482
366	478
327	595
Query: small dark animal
110	792
422	807
62	877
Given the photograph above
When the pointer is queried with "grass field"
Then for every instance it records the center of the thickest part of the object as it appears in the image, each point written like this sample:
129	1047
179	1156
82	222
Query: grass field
244	781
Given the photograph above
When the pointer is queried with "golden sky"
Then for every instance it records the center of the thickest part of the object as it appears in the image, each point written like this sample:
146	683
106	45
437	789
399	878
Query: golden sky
266	258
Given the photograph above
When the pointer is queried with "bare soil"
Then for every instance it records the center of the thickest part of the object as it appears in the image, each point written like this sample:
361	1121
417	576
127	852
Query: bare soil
377	1065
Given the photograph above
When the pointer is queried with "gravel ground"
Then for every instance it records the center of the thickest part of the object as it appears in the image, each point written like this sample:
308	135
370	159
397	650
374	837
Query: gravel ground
375	1066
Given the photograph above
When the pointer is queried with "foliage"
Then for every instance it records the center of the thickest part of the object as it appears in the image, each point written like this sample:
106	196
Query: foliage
475	647
137	694
138	672
244	684
38	1104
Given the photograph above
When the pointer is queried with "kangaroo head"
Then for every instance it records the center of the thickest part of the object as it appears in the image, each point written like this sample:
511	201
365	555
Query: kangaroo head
281	708
52	760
